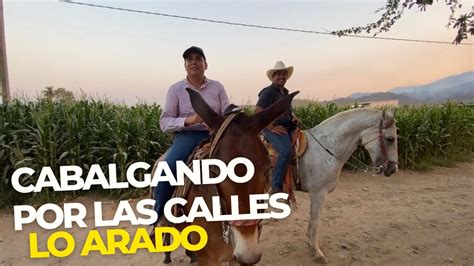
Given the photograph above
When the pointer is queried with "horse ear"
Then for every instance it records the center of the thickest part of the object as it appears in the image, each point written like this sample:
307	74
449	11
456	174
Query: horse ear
212	119
387	118
390	112
260	120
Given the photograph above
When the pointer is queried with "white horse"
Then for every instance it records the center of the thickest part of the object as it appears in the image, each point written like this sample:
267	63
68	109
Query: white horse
330	145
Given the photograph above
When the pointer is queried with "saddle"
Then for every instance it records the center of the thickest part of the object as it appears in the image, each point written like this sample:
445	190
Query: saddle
202	151
292	178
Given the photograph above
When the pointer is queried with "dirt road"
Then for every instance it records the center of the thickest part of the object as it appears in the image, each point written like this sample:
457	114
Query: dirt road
407	219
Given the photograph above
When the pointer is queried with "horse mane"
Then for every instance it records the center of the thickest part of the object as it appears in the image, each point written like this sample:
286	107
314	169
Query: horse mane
345	115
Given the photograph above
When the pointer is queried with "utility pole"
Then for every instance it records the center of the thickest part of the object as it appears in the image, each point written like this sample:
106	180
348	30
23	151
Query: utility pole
3	60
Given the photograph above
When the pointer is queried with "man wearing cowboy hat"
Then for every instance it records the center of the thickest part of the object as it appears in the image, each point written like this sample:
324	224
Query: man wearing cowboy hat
279	132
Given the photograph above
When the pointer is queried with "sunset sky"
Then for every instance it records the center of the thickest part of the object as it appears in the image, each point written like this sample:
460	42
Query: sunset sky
127	57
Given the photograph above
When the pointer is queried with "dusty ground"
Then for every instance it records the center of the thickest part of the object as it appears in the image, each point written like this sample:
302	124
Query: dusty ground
407	219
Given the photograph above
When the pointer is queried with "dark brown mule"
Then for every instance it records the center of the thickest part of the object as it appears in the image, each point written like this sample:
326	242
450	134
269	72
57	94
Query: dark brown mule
240	139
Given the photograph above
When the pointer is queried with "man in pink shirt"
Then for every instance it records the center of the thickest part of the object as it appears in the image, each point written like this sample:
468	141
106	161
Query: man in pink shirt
178	116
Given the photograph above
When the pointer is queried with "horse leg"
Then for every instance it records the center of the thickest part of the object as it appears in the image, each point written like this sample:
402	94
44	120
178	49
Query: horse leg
166	242
191	255
317	202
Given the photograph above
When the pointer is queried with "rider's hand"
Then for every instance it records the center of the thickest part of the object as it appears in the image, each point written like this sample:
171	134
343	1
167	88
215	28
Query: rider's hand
193	119
279	130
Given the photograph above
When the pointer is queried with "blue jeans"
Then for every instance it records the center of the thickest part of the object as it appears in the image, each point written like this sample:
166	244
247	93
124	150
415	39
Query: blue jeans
282	145
183	145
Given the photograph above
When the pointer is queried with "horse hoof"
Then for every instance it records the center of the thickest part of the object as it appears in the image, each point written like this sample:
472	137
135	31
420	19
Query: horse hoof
167	259
192	256
321	260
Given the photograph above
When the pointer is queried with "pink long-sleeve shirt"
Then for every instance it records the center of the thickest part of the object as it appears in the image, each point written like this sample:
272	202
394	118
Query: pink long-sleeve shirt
178	104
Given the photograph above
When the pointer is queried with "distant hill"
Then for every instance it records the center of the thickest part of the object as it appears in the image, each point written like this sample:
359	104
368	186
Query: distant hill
378	96
359	95
383	96
457	87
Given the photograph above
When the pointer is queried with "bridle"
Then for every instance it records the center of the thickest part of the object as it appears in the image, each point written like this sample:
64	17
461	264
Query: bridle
382	145
226	229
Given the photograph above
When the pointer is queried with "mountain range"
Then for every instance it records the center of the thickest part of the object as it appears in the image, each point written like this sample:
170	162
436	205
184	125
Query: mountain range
458	88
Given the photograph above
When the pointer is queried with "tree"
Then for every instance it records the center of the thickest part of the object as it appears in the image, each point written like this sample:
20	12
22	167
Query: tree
64	95
394	9
48	93
59	94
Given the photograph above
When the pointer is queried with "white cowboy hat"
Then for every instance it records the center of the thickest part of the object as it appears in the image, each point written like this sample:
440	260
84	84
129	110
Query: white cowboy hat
279	66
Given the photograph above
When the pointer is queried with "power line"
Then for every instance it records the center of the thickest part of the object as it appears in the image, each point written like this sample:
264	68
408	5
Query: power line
255	25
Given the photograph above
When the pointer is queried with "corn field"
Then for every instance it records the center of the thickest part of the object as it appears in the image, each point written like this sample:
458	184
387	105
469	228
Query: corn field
82	133
52	133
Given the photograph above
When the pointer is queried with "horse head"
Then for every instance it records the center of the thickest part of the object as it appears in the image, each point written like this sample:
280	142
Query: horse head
241	139
381	143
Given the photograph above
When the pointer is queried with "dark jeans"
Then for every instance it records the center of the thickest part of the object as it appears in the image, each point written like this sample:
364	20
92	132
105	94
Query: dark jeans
183	145
282	145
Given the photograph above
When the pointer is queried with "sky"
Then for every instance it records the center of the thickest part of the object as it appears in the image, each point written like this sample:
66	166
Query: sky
128	57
